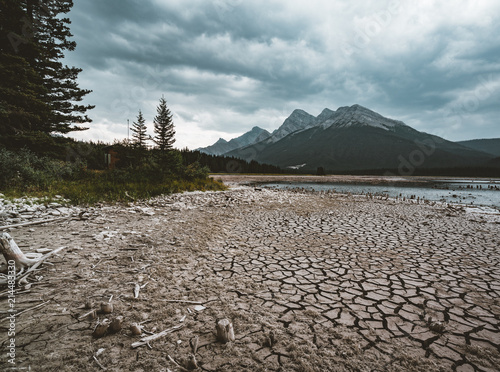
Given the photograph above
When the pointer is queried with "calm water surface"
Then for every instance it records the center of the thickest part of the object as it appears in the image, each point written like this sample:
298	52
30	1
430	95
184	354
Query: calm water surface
463	191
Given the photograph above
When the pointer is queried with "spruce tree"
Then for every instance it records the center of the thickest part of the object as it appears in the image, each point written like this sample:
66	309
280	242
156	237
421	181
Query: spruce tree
38	92
164	128
51	34
21	88
139	132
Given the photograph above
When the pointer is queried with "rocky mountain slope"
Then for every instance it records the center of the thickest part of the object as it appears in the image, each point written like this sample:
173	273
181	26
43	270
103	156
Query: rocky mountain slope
222	146
491	146
356	138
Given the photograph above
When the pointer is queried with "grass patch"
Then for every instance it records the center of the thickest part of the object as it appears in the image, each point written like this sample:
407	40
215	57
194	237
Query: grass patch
91	191
99	188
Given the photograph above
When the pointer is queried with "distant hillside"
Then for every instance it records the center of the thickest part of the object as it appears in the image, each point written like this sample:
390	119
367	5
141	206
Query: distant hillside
356	138
490	146
222	146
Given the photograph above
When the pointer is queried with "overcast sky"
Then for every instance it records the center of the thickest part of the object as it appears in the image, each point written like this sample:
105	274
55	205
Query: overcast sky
225	66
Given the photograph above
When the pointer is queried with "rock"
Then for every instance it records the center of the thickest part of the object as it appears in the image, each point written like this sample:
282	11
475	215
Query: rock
64	210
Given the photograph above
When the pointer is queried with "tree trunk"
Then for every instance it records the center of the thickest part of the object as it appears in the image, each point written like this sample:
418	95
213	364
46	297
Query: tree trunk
11	252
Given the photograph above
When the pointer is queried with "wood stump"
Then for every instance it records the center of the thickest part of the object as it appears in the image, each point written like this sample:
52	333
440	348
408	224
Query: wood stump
135	329
101	328
12	252
225	331
116	324
106	308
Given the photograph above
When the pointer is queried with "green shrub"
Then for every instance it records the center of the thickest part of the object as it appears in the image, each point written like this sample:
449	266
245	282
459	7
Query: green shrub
24	170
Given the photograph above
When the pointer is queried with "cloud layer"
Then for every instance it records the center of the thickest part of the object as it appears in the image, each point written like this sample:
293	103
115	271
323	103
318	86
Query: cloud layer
228	65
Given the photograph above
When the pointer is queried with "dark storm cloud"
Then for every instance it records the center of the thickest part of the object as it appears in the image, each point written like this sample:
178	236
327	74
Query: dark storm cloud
228	65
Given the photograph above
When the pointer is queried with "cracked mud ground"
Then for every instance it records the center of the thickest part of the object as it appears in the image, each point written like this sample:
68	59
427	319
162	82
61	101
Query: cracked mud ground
311	282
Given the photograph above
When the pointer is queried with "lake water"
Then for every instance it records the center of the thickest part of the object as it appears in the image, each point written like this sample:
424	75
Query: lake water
462	191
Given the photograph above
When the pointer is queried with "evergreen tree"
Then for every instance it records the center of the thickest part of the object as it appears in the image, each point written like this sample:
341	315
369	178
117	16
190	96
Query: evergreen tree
163	128
139	132
21	88
38	92
51	34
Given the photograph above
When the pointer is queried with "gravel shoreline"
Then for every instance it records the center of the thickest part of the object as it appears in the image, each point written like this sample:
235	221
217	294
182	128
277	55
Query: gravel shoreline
311	281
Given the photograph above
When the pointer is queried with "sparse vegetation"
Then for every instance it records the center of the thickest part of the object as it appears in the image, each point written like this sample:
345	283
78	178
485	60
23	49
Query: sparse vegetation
24	172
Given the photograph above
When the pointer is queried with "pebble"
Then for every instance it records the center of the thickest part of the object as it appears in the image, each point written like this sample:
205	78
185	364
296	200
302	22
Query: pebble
26	209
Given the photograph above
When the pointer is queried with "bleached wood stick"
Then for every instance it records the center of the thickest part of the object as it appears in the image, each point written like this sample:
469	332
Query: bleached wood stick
147	339
40	261
99	364
31	308
12	252
34	223
137	290
177	364
91	315
185	302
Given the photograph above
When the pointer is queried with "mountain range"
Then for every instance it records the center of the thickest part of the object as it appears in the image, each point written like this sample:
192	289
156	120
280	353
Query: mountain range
354	138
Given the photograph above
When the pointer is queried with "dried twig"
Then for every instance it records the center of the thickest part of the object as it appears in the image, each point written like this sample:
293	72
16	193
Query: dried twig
39	262
91	314
145	340
176	364
34	223
184	301
99	364
24	311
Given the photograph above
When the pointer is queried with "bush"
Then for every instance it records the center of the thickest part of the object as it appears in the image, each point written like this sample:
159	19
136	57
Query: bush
196	171
25	170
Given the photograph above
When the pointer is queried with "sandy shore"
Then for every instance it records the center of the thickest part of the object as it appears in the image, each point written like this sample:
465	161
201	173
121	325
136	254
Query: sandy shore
236	179
311	282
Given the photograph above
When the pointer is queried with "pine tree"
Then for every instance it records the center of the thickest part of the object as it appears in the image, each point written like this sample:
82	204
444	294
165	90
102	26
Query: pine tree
21	88
51	34
164	128
38	92
139	132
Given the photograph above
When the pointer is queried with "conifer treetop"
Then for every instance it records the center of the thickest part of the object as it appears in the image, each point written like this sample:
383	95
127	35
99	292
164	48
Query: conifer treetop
164	127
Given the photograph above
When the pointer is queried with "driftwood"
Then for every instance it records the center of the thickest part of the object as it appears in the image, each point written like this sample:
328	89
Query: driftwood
225	331
34	223
146	340
12	253
25	311
184	302
99	364
176	364
90	315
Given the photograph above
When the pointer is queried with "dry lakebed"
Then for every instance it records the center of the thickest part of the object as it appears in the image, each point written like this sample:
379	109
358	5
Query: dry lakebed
309	281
